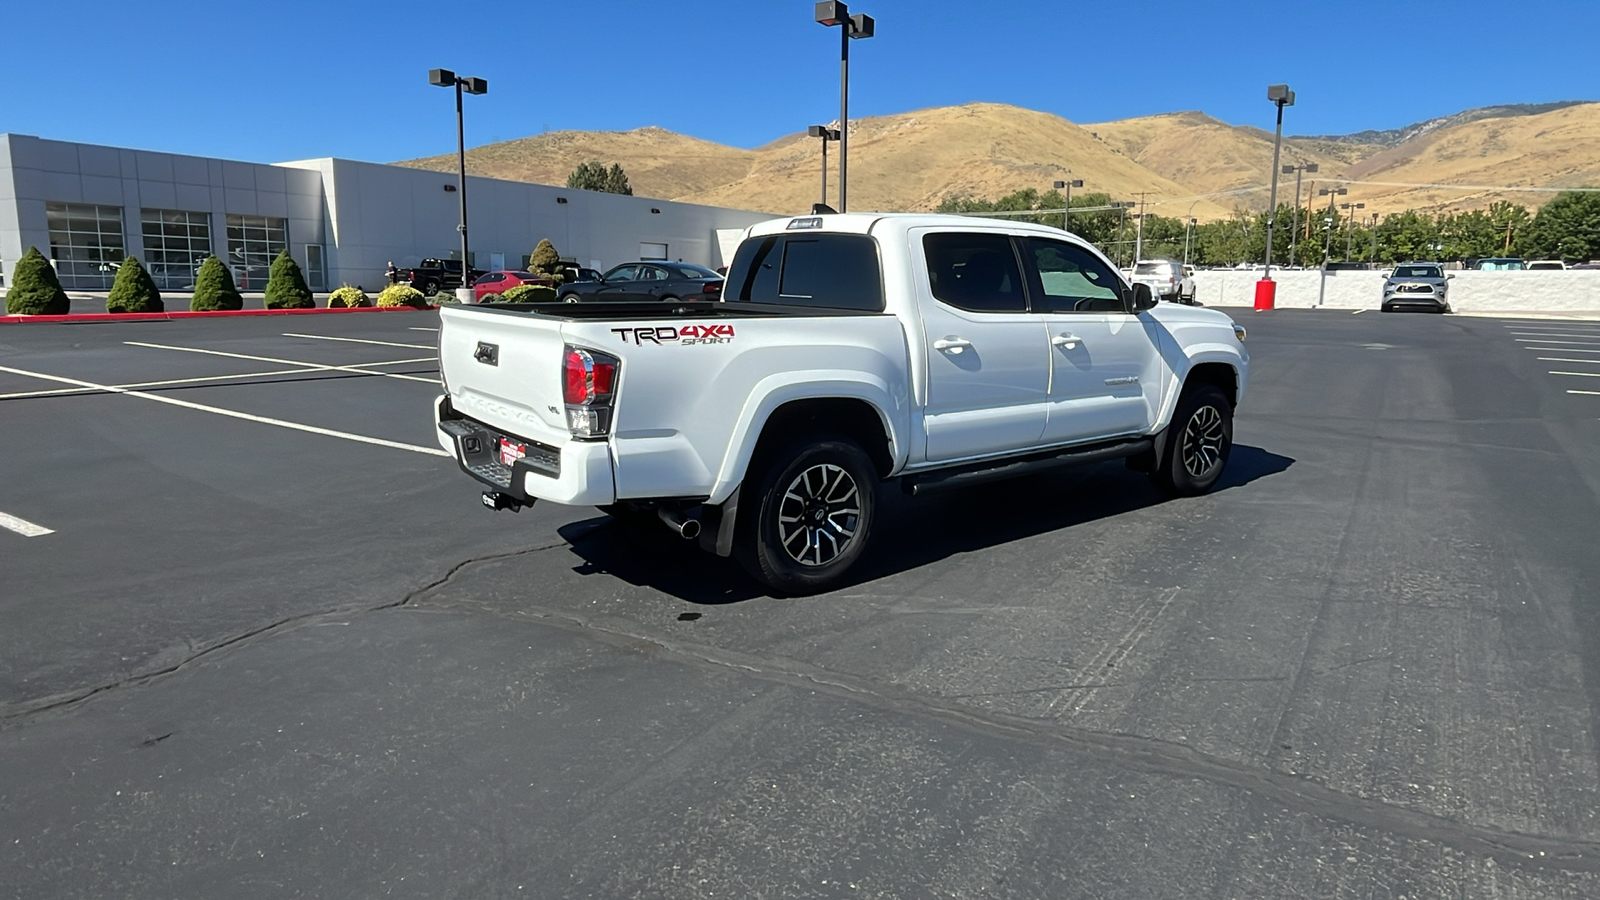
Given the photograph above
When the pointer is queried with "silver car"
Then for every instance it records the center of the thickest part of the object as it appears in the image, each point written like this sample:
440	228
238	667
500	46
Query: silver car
1169	279
1417	285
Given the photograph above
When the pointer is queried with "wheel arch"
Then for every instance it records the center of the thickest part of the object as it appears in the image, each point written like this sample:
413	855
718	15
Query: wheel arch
855	409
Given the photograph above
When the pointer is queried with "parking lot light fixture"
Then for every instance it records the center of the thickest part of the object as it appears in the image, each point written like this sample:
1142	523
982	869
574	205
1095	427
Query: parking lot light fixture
851	27
1327	242
827	134
1294	227
1281	96
1350	224
1066	209
447	78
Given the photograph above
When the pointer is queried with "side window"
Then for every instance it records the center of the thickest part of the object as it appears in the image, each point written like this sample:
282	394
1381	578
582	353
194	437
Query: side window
621	273
1071	279
827	271
974	272
652	273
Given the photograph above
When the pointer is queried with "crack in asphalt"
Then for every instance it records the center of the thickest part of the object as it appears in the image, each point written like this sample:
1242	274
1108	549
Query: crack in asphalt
27	709
1142	753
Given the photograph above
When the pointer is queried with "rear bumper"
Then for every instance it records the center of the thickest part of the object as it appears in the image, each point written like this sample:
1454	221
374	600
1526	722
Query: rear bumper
575	474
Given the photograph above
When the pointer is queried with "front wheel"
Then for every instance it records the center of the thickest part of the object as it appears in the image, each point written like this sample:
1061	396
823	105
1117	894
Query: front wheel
813	516
1197	443
431	289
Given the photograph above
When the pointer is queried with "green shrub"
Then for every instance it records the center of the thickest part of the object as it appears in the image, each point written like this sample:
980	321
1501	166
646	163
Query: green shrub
35	290
348	296
402	295
286	286
546	261
213	288
134	291
526	293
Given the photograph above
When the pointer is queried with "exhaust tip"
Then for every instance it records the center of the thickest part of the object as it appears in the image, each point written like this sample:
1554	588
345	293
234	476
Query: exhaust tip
684	527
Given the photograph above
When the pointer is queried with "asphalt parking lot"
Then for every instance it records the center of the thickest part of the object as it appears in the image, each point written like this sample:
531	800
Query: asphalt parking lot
260	637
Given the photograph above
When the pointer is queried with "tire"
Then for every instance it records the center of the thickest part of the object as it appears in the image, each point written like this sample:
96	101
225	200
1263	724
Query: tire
430	289
1197	443
820	495
569	298
669	299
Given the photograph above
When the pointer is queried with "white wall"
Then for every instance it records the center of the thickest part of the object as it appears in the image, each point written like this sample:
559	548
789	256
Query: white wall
1469	291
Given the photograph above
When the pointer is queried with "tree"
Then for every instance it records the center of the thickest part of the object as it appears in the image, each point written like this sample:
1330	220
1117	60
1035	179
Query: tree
286	286
546	261
214	289
594	176
134	291
35	290
1567	227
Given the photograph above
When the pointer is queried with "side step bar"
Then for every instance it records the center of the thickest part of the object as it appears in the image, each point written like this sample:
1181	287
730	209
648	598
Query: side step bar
1012	467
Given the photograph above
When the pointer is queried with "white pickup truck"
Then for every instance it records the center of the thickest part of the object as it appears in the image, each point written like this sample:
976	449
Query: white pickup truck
848	350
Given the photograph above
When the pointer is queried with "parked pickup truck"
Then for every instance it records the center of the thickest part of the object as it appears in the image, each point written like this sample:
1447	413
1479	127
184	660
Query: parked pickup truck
434	275
849	350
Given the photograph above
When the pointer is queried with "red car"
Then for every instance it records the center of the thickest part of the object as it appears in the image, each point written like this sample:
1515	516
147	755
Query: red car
505	280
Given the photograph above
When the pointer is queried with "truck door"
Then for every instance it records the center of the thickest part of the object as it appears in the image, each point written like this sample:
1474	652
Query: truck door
988	359
1106	368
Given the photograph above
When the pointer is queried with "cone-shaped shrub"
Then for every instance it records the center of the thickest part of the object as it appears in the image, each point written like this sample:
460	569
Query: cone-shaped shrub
348	296
213	288
35	290
402	295
546	261
527	293
134	291
286	287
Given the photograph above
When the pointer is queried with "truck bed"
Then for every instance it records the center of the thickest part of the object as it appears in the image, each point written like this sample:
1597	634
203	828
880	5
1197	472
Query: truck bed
591	310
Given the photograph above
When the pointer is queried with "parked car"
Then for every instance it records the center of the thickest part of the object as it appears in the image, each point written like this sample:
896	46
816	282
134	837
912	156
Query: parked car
1417	285
1169	279
1500	264
851	350
1554	265
502	281
641	281
434	275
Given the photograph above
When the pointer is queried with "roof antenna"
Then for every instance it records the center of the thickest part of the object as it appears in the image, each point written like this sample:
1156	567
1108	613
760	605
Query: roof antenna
823	209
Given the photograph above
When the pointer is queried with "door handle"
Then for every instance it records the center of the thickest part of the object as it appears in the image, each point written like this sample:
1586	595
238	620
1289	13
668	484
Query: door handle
952	345
1068	340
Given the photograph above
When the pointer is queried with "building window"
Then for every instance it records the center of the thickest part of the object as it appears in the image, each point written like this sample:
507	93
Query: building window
175	244
253	242
86	243
652	251
316	271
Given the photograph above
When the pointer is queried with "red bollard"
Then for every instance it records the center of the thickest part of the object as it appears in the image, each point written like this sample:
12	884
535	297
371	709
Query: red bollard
1266	294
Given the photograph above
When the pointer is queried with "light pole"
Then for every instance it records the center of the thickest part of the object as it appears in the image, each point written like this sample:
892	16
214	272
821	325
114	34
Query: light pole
1350	224
827	134
447	78
1066	212
1372	258
1188	235
1138	230
1327	242
1266	291
830	13
1294	228
1122	226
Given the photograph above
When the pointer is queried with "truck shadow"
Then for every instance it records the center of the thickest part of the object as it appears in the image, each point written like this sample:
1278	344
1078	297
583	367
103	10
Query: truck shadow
914	531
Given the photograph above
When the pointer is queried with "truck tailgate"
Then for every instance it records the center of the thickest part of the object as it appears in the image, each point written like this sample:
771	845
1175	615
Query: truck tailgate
505	371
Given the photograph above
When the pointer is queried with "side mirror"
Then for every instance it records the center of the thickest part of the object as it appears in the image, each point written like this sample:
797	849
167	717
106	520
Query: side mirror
1142	297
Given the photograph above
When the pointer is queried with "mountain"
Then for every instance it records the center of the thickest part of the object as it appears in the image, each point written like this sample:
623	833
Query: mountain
1184	163
1396	136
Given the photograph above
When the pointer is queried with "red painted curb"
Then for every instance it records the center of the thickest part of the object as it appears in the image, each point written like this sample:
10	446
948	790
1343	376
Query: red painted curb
89	318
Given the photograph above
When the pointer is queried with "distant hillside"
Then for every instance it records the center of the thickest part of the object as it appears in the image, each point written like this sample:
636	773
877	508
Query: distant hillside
1185	163
1396	136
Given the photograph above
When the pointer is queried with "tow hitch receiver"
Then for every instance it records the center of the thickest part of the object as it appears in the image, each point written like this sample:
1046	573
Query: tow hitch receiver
497	501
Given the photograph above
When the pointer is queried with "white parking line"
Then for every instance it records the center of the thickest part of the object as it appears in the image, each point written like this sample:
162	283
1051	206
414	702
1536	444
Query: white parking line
20	395
418	328
1590	393
1587	362
1579	374
230	413
1548	341
1358	312
22	526
285	362
1560	350
324	337
1582	334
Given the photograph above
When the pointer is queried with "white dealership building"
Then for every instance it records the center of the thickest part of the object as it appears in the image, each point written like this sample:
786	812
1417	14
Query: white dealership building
86	207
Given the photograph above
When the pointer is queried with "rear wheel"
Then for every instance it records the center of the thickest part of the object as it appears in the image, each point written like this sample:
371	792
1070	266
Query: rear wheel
813	516
1197	442
430	289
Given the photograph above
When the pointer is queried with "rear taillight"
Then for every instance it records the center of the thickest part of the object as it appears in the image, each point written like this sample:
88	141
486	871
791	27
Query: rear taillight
589	380
714	287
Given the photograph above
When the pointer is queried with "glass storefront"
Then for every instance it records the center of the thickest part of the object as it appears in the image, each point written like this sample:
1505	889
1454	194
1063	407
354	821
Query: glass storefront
176	242
86	244
253	241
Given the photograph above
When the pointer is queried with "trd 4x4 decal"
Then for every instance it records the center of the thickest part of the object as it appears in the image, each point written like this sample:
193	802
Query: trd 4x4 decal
667	334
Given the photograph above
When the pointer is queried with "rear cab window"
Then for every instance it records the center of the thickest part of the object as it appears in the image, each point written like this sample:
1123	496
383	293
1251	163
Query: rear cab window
974	271
826	271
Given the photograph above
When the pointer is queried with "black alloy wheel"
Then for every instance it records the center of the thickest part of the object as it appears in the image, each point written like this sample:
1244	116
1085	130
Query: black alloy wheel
811	515
1198	442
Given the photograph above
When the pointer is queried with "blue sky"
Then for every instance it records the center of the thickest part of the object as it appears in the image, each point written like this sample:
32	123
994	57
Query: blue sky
296	79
